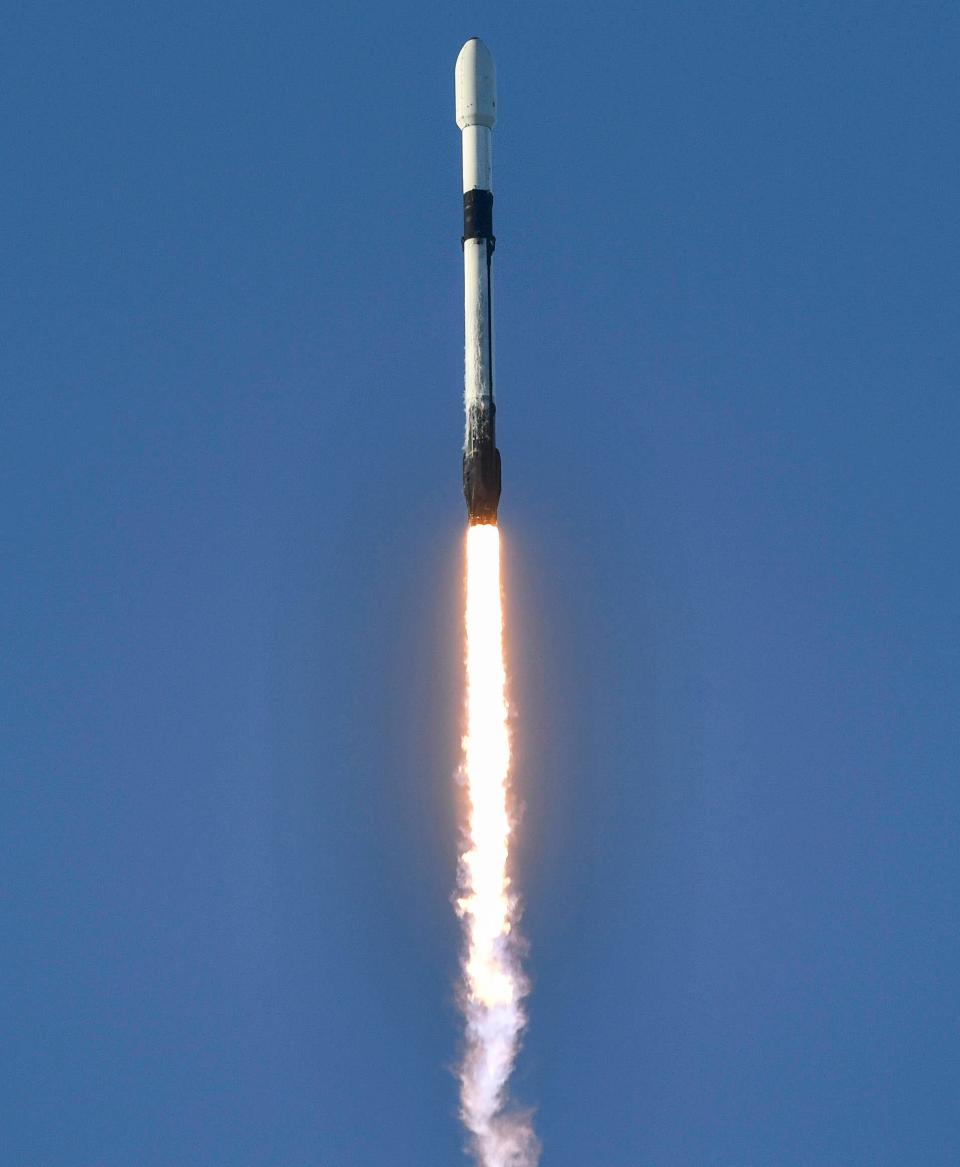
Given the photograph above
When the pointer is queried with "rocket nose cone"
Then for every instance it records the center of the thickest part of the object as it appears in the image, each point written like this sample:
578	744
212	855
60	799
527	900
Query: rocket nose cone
476	83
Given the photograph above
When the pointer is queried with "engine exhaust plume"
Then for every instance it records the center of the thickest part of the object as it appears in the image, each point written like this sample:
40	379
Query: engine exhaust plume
493	984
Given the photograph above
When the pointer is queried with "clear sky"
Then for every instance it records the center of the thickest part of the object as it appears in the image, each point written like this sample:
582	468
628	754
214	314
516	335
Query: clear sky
231	372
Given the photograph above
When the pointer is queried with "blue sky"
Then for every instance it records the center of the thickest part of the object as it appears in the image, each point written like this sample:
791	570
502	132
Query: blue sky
728	358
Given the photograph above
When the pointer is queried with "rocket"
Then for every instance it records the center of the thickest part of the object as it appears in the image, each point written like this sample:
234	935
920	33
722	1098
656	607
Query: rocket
476	89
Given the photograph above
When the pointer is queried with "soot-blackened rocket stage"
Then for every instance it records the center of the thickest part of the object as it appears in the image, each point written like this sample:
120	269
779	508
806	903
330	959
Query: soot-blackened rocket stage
476	85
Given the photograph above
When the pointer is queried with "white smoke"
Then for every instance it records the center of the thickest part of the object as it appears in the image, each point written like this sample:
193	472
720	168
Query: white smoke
501	1138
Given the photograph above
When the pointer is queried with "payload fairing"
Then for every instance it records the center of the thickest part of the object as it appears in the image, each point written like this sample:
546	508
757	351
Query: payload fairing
476	86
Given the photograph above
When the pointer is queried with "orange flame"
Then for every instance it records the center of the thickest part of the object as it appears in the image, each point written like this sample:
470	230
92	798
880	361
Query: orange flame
494	985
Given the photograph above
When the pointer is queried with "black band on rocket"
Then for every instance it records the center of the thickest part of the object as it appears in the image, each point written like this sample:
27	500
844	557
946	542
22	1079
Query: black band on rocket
478	215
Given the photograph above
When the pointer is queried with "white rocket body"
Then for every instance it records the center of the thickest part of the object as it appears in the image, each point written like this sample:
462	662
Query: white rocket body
476	90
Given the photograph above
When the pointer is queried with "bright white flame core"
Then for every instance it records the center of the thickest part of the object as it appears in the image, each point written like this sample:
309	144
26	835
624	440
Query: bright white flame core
494	985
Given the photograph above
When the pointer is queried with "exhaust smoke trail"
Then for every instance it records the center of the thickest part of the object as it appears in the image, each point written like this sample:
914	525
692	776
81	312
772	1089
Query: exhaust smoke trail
493	985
